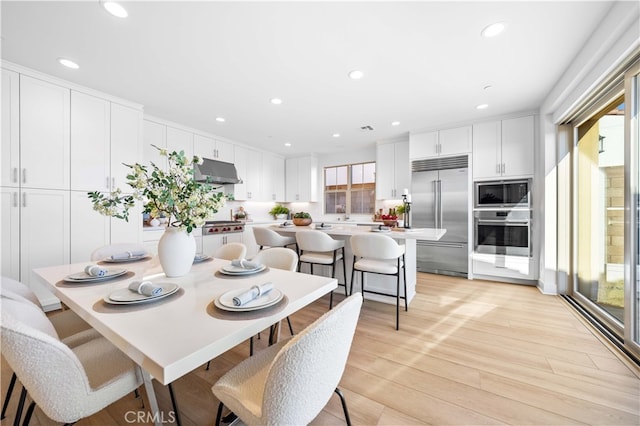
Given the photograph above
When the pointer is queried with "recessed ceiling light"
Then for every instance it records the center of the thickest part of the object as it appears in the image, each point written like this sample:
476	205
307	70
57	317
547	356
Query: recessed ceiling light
220	119
395	123
336	135
356	75
487	87
115	9
482	106
493	29
276	101
68	63
287	144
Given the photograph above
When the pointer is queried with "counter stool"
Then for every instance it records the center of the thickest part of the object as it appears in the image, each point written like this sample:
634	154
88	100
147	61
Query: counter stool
266	237
318	248
379	254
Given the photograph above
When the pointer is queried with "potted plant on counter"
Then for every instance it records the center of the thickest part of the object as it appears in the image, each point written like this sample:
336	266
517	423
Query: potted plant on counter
279	212
302	219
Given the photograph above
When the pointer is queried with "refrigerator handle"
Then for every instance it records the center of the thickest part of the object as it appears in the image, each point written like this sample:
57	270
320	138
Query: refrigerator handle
439	215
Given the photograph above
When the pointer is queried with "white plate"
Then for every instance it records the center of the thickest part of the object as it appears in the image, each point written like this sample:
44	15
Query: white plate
380	230
237	270
225	301
83	277
124	296
130	259
200	258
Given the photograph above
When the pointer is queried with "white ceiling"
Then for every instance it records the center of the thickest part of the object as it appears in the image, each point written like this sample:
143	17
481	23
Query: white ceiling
425	63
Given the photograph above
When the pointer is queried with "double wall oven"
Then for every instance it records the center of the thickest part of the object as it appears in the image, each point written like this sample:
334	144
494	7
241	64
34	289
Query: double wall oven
502	218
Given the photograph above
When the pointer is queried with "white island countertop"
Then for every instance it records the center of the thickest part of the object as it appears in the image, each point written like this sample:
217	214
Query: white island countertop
429	234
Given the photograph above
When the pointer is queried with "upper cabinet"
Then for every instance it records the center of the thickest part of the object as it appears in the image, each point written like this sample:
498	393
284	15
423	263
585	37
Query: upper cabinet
180	140
503	149
272	177
104	137
207	147
440	143
44	135
393	170
10	161
155	136
248	164
301	179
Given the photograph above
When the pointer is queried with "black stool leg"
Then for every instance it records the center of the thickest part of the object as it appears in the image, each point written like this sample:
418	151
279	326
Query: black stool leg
398	297
219	414
344	273
404	277
208	365
290	326
12	383
353	271
29	413
23	397
344	406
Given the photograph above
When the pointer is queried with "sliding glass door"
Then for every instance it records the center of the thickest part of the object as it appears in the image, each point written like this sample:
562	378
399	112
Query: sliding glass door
606	211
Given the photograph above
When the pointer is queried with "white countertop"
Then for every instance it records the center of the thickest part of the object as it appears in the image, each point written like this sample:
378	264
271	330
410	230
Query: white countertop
429	234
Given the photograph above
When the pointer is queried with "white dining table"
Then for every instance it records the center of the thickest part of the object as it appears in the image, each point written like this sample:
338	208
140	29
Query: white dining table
174	335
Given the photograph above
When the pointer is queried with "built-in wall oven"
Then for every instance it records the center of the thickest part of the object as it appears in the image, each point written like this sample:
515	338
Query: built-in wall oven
506	232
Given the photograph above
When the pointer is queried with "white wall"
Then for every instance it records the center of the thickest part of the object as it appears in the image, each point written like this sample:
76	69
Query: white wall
610	46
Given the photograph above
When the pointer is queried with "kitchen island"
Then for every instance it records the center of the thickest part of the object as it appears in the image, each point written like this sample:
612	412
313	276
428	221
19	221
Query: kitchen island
374	282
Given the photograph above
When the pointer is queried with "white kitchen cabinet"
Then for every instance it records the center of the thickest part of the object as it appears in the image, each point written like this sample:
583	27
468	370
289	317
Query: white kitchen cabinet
104	137
151	237
440	143
155	134
272	177
248	164
224	151
301	177
44	134
506	267
393	170
10	232
211	243
503	149
10	161
44	236
180	140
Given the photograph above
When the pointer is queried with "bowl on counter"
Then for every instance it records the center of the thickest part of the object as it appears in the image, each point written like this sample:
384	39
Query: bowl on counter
302	221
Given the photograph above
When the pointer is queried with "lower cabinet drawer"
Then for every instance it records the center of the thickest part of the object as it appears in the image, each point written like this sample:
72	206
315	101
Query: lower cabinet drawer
504	266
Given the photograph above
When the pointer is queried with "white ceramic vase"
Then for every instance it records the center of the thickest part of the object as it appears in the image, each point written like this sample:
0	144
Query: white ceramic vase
176	250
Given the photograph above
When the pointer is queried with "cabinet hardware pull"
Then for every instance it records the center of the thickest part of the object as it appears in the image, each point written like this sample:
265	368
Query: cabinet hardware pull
497	168
113	182
24	175
15	199
24	199
106	182
15	175
503	168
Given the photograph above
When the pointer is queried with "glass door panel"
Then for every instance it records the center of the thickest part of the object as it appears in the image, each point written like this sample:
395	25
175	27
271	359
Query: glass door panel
600	210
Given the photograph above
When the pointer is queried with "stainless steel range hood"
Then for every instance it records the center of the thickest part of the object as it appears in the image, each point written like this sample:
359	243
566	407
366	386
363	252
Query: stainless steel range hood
215	172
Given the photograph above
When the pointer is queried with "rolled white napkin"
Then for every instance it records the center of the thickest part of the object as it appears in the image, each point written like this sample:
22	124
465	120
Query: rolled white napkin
146	288
246	264
128	254
252	293
95	271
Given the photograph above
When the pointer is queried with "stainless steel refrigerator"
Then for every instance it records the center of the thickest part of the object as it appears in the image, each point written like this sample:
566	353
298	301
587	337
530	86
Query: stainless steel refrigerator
440	199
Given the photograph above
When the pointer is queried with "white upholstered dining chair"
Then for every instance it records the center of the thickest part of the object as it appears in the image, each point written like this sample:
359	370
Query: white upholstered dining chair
69	327
231	251
290	382
66	383
379	254
266	237
318	248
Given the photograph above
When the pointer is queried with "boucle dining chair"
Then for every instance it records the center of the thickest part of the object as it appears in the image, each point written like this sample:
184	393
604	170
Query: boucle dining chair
290	382
278	258
318	248
69	327
379	254
266	237
67	384
231	251
116	248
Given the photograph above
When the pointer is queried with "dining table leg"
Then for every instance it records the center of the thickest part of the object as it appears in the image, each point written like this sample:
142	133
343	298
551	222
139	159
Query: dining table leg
151	396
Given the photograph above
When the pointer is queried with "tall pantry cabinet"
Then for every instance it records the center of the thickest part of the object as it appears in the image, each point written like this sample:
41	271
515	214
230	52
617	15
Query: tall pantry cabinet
35	179
58	144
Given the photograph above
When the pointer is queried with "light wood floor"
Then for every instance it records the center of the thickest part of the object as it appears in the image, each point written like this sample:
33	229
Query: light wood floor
467	353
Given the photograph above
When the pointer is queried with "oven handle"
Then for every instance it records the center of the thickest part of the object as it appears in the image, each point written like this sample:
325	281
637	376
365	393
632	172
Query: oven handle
507	222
